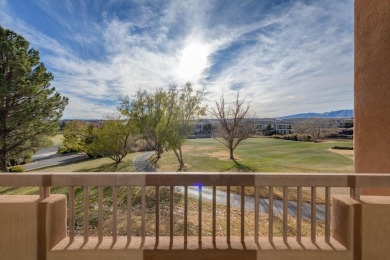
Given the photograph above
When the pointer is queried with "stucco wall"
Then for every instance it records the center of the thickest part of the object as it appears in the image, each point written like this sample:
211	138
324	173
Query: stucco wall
372	86
363	225
30	226
18	229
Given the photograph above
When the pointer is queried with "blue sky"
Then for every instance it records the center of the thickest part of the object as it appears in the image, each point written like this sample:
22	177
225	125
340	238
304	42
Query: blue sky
285	57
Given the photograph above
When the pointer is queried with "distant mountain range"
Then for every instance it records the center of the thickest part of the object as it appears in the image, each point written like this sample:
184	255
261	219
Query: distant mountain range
348	113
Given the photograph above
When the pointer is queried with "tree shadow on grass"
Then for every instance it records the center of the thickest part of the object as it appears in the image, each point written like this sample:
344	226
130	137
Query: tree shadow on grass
153	160
240	167
110	167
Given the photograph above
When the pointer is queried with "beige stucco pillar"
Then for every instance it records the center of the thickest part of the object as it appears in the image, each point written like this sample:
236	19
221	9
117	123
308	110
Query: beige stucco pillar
372	87
362	226
29	227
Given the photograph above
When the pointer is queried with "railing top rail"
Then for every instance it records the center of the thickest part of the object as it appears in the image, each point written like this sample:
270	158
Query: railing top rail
196	179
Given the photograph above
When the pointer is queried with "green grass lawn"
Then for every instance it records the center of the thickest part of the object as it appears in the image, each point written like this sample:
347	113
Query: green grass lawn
261	155
95	165
255	154
208	155
57	140
90	165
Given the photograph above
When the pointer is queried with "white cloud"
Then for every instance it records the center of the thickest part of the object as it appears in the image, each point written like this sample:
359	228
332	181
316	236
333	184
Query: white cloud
79	108
293	67
291	64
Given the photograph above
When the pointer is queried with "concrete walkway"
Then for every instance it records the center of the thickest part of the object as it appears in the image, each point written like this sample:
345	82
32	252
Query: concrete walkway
48	157
235	201
141	164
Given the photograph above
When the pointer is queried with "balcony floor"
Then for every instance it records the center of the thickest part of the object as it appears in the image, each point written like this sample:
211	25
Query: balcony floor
206	250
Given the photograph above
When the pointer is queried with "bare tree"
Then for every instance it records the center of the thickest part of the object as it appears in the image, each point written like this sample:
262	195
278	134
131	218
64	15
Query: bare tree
235	123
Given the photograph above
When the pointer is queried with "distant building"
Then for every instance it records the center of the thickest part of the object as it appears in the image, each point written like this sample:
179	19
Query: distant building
284	127
261	124
205	126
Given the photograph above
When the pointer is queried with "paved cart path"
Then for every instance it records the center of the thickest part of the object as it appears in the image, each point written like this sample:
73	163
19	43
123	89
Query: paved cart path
141	164
48	157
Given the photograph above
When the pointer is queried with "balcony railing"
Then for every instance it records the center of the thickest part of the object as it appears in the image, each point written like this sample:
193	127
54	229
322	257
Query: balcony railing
199	180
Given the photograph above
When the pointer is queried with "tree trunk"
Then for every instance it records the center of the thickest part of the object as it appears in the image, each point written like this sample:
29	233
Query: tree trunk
231	153
3	163
179	157
181	165
159	151
181	161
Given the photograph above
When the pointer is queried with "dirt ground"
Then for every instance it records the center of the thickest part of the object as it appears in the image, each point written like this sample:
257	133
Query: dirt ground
348	153
334	191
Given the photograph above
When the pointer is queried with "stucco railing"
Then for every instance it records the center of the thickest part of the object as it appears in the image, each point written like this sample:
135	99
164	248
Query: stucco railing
256	180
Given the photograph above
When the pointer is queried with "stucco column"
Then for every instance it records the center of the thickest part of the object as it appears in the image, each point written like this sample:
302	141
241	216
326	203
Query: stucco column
372	87
29	227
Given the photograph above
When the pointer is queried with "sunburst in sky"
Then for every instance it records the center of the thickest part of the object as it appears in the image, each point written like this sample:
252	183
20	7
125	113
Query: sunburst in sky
192	61
286	57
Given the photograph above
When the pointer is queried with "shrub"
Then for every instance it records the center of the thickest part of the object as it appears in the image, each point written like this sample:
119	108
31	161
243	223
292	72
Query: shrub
332	135
292	137
277	136
140	146
13	162
342	148
305	137
27	158
17	168
295	137
65	150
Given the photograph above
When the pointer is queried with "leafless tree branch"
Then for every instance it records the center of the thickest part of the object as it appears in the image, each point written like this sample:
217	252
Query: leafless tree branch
235	123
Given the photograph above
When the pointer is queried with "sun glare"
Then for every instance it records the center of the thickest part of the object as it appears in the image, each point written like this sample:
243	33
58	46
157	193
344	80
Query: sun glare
193	60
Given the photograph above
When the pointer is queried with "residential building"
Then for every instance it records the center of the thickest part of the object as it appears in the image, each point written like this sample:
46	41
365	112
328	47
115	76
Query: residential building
282	127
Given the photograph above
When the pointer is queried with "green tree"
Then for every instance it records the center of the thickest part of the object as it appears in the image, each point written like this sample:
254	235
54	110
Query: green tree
163	118
269	130
77	134
183	107
146	113
29	108
112	140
